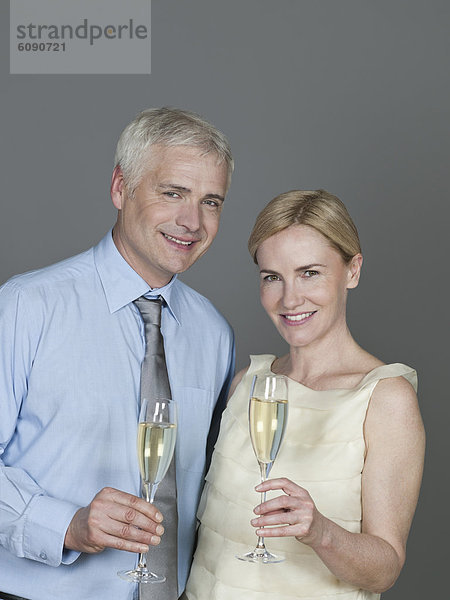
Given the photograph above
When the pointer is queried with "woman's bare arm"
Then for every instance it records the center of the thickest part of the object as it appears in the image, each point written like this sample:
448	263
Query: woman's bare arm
372	559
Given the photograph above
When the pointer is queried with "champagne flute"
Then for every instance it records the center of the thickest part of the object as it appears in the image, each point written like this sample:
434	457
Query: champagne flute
268	410
156	437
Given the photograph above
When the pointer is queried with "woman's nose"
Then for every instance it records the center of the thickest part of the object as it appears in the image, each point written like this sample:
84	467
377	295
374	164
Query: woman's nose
292	296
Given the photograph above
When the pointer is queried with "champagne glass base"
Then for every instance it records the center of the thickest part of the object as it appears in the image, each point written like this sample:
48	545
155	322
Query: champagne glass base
262	557
136	576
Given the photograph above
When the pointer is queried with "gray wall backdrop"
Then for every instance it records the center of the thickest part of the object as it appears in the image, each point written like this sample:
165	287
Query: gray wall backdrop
352	96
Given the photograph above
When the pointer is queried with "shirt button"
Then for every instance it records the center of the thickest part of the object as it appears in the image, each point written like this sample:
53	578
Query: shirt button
43	556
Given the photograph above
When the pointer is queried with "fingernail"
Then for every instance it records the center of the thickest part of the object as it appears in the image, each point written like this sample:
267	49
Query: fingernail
160	530
155	540
258	487
158	517
144	549
253	521
256	509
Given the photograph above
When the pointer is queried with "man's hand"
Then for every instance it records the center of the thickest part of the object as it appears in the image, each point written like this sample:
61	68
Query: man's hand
115	519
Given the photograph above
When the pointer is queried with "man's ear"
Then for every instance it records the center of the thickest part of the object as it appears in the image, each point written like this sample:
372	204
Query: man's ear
117	188
354	271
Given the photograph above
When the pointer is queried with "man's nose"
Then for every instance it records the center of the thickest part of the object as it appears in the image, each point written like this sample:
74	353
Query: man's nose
189	216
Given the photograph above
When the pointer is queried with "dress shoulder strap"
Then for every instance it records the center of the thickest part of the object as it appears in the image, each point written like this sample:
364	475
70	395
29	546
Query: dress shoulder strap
260	362
391	370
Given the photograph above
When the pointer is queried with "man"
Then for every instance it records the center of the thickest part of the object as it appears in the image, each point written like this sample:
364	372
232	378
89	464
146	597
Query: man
72	344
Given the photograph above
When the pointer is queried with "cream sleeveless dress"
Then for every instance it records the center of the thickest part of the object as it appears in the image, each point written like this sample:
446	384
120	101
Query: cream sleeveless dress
323	451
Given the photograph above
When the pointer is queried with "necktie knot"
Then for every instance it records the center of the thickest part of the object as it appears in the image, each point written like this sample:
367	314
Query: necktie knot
154	379
150	310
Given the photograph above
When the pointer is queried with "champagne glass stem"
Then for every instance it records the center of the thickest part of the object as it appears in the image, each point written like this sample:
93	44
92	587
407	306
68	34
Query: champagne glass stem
265	469
149	491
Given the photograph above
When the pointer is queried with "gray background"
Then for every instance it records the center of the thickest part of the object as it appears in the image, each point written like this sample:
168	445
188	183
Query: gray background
352	96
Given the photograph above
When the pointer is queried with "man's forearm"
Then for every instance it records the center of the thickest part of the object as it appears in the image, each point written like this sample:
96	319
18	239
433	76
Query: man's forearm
32	524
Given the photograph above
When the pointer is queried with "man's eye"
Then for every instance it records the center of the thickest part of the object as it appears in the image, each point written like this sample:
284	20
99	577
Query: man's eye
271	278
172	194
213	203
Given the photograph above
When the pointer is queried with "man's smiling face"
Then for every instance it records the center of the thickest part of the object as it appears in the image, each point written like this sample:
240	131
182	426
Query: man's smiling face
173	215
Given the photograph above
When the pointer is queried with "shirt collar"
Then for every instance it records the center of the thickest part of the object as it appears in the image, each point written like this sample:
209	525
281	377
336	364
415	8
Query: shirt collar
122	284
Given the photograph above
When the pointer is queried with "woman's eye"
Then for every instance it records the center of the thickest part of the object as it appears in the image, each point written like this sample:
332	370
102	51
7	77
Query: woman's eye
271	278
310	273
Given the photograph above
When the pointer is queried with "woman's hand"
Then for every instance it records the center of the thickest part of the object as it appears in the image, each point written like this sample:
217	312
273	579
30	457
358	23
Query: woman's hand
291	514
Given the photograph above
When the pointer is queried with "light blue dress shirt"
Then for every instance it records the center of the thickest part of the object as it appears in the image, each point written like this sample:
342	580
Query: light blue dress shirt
72	344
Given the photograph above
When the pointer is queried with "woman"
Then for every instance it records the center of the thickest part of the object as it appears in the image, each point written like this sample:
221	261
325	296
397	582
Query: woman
344	487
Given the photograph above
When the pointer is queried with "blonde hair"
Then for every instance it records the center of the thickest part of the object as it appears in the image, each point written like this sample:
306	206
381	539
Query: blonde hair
318	209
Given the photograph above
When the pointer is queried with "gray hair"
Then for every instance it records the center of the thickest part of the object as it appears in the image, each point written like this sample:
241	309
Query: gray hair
168	127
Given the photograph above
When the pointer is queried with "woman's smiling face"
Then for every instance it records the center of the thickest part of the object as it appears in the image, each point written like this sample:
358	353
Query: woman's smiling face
303	284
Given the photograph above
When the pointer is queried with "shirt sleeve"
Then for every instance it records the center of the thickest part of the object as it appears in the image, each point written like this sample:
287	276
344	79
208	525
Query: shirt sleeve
32	524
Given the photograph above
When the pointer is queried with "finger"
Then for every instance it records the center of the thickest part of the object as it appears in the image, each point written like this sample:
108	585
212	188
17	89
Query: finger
138	504
280	518
129	533
282	483
281	531
127	516
278	504
276	512
118	543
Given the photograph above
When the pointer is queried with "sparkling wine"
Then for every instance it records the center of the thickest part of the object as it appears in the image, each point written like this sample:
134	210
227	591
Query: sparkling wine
155	442
267	420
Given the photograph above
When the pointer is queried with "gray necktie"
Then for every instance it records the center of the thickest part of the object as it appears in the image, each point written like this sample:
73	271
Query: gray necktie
162	559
